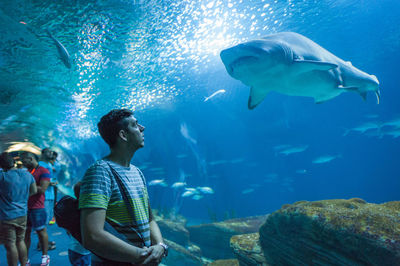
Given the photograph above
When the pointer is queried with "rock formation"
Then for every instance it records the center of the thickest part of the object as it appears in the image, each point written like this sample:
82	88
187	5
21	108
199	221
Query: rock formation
333	232
213	238
248	250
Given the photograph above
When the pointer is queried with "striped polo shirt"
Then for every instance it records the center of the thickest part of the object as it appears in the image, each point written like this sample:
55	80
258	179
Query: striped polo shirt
100	190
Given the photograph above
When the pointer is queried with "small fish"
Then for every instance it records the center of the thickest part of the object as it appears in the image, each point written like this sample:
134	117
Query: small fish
371	116
214	94
156	169
363	128
301	171
238	160
281	147
197	197
393	123
157	182
217	162
181	156
187	194
206	190
249	190
324	159
271	178
178	184
295	149
393	133
62	51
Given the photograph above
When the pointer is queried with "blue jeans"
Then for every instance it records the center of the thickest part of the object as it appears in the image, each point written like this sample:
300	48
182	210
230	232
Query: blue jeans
78	259
37	219
49	207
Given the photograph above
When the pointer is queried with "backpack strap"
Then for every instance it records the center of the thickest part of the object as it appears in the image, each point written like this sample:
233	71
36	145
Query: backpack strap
125	194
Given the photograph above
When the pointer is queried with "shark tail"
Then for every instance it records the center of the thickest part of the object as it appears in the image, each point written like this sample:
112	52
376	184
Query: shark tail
49	34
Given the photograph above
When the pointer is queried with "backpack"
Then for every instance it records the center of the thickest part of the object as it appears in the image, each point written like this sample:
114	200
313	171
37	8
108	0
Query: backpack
68	216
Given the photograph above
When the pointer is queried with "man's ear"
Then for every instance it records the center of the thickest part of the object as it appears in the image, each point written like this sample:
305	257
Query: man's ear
122	134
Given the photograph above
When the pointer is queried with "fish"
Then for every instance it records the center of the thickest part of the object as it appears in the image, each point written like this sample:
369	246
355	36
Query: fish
237	160
363	128
214	94
178	184
217	162
181	156
393	133
294	149
292	64
62	51
197	197
205	190
393	123
156	169
187	194
301	171
249	190
325	159
158	182
281	147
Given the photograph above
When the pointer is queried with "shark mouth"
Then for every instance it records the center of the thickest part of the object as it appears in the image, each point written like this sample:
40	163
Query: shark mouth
244	61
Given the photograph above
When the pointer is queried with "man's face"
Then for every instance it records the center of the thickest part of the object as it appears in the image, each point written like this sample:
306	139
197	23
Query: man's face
28	161
134	132
47	154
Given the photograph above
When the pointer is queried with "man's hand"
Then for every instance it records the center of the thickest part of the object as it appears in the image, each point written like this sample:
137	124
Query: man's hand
144	254
155	255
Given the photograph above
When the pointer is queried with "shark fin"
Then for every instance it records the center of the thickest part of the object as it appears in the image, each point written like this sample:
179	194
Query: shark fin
257	95
310	65
378	96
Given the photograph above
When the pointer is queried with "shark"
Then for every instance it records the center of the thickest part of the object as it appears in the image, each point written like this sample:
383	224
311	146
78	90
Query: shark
292	64
62	51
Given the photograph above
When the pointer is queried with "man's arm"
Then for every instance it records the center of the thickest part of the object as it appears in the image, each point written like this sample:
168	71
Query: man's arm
43	186
156	251
155	233
32	189
105	244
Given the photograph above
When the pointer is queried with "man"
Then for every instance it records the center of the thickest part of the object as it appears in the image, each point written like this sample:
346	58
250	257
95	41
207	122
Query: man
37	218
46	160
101	199
16	185
56	170
49	195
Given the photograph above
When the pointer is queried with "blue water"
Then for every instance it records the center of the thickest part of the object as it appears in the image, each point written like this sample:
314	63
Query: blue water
161	59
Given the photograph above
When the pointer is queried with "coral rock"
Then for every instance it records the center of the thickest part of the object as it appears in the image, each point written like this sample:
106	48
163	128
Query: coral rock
174	230
231	262
248	250
333	232
179	255
213	239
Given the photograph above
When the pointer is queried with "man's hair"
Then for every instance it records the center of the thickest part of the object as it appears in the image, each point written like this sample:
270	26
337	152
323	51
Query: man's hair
44	151
6	161
112	123
54	155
